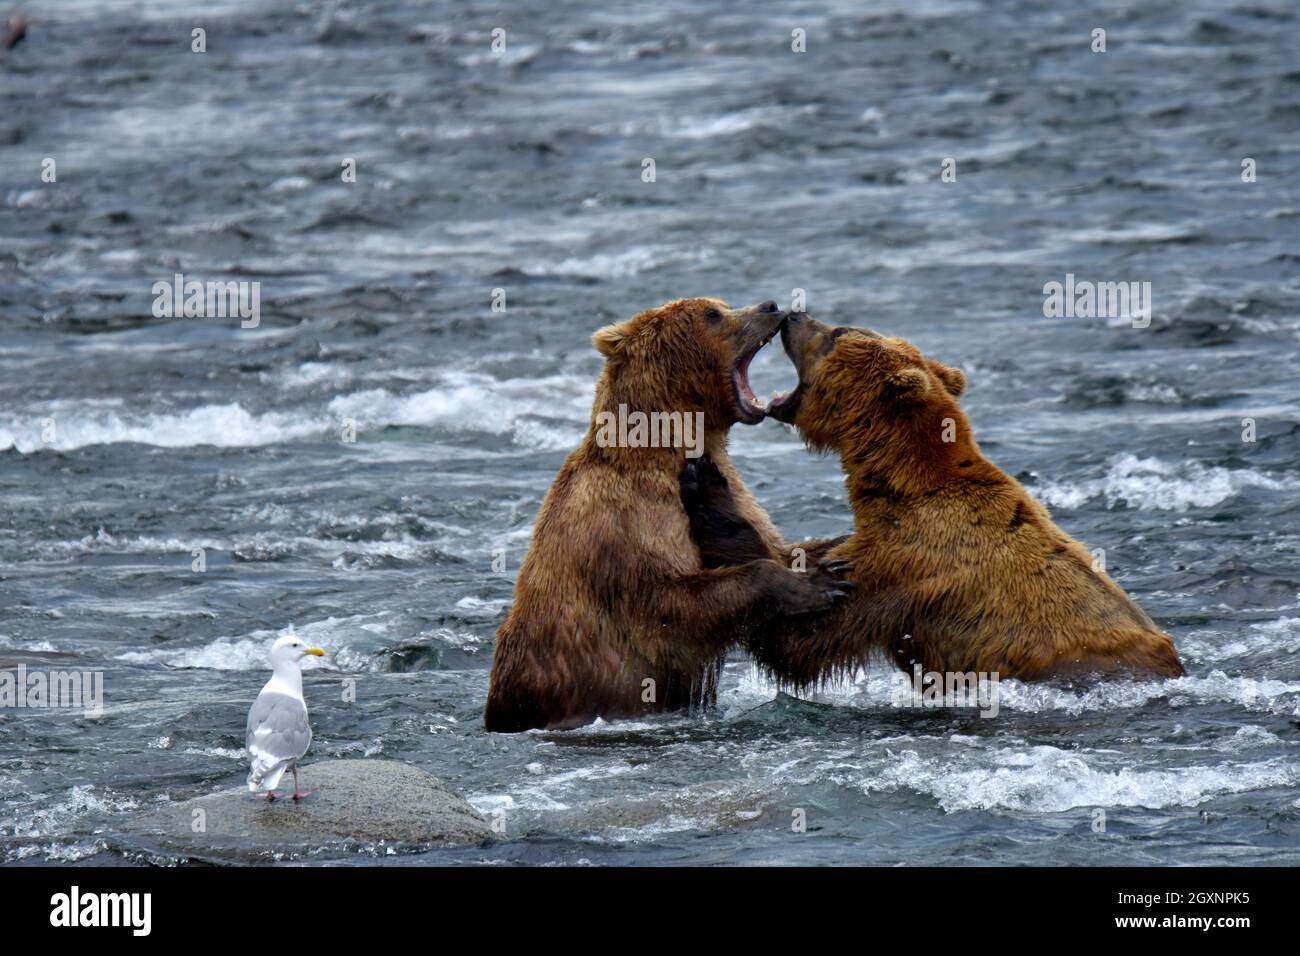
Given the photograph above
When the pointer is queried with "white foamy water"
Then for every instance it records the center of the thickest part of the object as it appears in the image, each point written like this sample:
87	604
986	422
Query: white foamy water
873	688
251	651
613	265
549	792
223	426
1252	694
1047	779
54	816
1271	638
1152	484
258	546
461	402
470	401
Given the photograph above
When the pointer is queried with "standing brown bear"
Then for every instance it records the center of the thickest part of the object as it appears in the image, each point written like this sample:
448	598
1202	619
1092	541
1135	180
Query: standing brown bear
957	568
616	613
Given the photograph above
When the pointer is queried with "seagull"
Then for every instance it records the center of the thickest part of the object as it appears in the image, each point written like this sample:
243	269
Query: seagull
278	733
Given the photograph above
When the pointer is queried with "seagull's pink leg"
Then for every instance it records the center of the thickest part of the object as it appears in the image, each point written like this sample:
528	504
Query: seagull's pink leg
270	795
297	791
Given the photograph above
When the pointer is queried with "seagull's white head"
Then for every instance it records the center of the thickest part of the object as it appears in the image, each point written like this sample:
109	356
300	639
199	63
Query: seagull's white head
291	649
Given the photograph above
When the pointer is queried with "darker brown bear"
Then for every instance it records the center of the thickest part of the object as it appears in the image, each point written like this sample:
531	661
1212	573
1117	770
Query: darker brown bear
957	568
615	613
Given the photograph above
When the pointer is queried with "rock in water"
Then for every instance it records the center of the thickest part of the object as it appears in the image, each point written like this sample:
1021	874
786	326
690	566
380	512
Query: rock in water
354	801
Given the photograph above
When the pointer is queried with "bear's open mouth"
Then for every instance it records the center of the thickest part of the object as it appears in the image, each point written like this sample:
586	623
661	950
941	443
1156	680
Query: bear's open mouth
751	407
784	406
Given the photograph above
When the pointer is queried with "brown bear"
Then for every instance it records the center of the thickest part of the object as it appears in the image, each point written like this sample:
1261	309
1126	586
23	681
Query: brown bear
616	613
957	568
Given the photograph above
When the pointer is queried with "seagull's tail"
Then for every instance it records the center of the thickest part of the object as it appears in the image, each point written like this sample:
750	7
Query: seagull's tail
265	775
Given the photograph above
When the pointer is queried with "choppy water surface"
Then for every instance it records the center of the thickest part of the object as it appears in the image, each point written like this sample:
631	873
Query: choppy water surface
522	172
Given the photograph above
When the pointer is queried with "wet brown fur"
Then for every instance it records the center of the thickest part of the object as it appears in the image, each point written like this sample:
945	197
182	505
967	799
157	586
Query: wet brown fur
957	568
613	591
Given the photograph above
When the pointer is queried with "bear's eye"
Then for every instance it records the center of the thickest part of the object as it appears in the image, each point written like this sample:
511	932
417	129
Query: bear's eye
713	315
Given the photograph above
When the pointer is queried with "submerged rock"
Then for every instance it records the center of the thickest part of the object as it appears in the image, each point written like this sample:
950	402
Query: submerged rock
362	802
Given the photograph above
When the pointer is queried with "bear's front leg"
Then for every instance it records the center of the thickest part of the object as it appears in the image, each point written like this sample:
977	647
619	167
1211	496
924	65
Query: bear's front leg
814	551
722	534
700	615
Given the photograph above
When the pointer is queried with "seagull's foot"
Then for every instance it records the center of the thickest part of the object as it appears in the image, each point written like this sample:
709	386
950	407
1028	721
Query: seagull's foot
270	797
301	796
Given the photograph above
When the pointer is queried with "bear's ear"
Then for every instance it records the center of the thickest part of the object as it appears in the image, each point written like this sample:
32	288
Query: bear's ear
908	384
610	341
954	379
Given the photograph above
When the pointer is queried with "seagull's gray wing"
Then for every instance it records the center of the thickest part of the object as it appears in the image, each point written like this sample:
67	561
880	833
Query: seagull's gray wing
277	728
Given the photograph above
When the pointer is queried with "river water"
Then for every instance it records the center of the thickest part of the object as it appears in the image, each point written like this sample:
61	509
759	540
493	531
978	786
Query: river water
128	441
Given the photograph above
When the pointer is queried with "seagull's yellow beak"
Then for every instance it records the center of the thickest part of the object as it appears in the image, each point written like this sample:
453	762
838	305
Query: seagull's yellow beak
314	652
